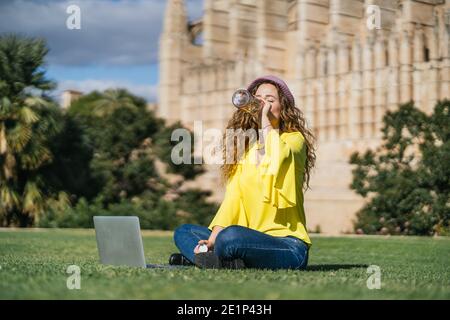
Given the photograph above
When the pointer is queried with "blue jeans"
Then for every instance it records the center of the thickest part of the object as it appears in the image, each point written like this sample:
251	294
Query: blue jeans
256	249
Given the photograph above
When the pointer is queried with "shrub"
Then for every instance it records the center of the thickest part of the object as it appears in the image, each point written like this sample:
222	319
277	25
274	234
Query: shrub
408	191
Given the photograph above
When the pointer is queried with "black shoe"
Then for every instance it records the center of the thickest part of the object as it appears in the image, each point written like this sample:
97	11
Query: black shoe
179	259
208	260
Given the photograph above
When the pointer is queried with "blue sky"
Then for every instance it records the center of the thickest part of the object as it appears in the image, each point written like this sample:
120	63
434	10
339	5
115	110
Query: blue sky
117	45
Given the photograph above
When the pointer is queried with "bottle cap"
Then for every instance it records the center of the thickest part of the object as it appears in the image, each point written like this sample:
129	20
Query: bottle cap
203	248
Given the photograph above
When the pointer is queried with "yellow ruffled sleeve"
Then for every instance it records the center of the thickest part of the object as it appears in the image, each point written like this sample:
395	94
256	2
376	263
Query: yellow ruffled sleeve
277	168
231	211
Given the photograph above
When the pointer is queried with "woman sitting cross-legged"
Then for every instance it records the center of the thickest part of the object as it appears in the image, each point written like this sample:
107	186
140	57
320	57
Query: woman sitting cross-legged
261	221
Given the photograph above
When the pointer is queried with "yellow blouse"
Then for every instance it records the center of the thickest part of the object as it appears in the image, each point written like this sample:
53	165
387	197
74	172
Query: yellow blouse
268	197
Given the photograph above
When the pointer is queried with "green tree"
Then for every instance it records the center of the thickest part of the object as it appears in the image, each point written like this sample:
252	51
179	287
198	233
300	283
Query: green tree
60	168
407	179
163	145
127	138
113	99
70	169
27	123
122	164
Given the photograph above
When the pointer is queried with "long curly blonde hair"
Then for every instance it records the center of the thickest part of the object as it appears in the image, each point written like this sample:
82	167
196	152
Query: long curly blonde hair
291	120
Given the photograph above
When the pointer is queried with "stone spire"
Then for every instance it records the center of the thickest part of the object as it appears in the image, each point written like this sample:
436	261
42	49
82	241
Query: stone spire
175	18
173	41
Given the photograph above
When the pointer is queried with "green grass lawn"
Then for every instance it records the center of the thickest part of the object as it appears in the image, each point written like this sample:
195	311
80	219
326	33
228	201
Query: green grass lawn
34	262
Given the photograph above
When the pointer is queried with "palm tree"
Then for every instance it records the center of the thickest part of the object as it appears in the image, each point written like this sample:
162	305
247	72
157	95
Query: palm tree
26	122
113	99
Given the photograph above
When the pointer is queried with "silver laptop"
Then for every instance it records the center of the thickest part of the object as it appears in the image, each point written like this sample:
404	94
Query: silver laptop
119	242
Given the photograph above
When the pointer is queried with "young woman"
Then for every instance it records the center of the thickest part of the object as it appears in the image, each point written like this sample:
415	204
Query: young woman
261	220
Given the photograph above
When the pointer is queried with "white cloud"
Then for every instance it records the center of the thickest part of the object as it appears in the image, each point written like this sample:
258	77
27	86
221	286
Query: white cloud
149	92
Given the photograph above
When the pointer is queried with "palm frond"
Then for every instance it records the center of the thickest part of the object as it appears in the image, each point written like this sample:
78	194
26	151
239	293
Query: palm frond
9	166
33	202
27	115
19	136
5	107
37	102
36	156
9	197
112	99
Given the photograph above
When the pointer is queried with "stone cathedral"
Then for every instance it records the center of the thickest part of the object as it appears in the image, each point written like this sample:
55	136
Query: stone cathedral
344	70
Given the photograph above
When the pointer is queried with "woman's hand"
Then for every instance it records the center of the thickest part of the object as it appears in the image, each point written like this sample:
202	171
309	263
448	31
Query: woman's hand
266	108
265	116
208	243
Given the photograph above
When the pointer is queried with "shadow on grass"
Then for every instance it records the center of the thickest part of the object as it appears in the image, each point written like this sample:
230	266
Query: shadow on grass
334	267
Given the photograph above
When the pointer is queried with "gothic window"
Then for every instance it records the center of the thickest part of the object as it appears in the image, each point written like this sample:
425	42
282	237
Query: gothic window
196	32
426	54
198	39
386	52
